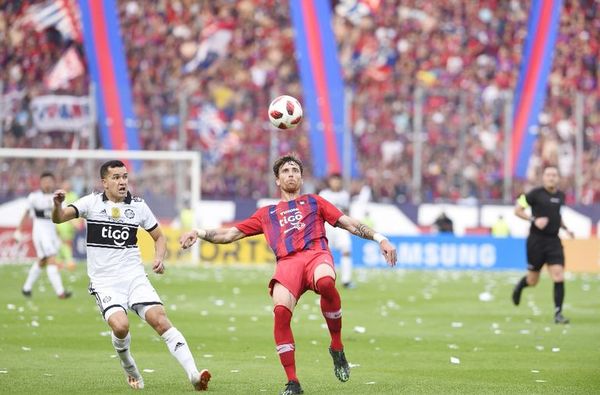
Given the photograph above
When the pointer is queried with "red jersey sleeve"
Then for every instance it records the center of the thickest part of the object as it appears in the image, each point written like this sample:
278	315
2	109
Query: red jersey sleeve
253	225
330	213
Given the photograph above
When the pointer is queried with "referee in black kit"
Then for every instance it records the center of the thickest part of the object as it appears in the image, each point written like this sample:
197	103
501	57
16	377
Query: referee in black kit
543	243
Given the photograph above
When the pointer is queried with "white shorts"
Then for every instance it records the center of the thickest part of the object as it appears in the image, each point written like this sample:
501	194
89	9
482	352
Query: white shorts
131	293
338	238
46	245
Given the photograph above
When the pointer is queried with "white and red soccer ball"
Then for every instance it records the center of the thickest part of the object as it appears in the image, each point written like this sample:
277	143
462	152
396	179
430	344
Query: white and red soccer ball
285	112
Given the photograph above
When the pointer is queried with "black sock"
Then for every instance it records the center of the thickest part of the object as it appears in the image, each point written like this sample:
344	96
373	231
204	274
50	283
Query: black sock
559	296
522	283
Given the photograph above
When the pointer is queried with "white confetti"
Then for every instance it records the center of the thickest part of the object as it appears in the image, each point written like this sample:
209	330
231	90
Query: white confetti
555	349
236	291
453	346
524	332
534	371
313	342
113	356
148	370
3	371
539	348
260	357
457	325
313	317
370	383
418	339
253	318
35	324
497	332
50	318
547	329
234	371
204	313
48	374
207	355
360	329
540	381
486	297
219	302
11	306
173	307
105	333
454	360
323	326
353	365
231	328
26	348
21	309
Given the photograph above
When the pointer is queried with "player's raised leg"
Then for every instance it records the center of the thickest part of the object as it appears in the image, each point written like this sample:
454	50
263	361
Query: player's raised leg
121	340
331	307
529	280
177	345
284	303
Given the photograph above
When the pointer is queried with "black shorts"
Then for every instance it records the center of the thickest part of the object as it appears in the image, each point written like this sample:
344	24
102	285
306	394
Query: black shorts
544	249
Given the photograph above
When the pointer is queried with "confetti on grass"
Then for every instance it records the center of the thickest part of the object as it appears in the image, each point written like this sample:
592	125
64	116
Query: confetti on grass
148	370
455	360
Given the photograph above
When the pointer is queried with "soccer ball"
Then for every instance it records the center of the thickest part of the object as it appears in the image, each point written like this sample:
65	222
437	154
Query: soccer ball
285	112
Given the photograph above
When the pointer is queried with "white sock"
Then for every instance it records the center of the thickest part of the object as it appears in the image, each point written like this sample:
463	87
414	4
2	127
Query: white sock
122	348
34	274
179	349
55	280
346	268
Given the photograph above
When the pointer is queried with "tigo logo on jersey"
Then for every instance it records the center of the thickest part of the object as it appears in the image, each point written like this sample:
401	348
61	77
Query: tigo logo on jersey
119	236
291	217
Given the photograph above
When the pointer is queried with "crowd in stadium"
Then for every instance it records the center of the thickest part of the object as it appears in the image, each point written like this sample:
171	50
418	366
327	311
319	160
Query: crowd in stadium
228	59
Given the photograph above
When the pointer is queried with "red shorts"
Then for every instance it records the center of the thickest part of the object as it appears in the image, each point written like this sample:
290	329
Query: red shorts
296	272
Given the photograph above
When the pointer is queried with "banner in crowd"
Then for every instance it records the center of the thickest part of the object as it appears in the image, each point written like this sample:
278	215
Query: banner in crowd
530	91
67	113
323	86
108	69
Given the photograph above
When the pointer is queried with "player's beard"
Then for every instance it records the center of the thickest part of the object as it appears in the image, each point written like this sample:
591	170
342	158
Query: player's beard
291	188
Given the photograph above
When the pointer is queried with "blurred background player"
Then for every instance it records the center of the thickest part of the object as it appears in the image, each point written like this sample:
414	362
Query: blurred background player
295	230
44	235
338	238
543	243
118	280
66	231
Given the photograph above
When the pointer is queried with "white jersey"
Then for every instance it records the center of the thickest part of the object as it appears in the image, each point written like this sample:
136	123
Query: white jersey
112	251
338	238
340	199
45	237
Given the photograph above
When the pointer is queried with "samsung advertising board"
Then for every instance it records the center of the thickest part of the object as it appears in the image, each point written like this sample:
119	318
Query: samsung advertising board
445	252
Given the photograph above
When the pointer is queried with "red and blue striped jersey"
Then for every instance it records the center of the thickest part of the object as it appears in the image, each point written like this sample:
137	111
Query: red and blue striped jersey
293	226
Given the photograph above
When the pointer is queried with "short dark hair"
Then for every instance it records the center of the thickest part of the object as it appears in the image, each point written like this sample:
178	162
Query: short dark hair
335	175
285	159
110	165
47	174
549	166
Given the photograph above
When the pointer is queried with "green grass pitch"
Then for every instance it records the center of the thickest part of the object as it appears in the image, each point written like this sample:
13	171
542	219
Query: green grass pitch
401	329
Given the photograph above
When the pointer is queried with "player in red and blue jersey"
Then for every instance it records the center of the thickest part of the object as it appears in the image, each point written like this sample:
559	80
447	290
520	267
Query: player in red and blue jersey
295	230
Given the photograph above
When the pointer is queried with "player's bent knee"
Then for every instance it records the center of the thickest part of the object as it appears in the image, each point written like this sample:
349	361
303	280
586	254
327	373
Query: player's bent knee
118	322
325	285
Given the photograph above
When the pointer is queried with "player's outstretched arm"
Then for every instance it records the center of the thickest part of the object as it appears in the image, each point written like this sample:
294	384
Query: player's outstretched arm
61	214
359	229
216	236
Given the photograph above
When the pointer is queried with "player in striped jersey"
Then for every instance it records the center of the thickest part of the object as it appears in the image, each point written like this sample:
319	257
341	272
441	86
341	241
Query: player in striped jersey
117	277
295	230
44	235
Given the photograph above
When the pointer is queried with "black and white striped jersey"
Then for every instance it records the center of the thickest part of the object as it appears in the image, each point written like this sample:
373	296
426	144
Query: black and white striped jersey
40	206
112	249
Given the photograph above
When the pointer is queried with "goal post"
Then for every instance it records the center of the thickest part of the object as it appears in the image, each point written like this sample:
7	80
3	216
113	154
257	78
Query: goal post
146	164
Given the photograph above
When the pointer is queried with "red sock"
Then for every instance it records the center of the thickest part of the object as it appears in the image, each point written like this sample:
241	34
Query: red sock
284	340
331	306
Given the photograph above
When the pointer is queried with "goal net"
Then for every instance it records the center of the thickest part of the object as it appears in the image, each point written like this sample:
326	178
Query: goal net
169	181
